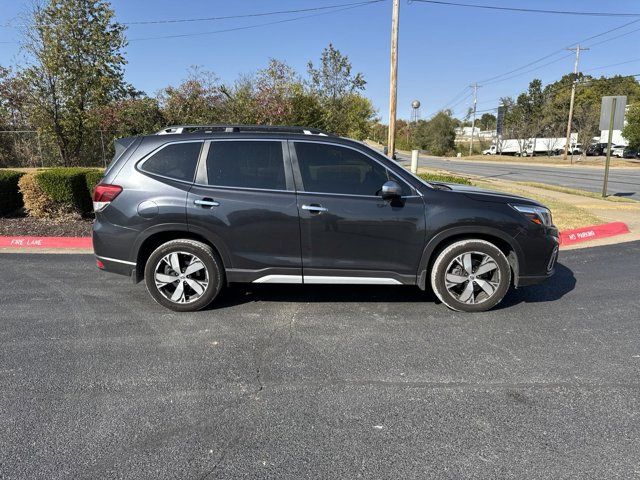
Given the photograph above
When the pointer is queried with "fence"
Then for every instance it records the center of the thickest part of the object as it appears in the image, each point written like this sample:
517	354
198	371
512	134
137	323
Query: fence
30	148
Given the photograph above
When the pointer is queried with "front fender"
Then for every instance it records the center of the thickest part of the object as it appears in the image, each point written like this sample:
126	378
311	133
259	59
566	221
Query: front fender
444	237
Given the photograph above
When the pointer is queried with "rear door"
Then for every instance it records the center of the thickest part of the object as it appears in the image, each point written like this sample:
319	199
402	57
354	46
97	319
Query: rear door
244	198
349	234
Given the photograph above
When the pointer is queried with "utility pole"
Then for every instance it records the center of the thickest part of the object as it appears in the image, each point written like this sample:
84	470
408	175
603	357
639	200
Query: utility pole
393	83
573	96
473	123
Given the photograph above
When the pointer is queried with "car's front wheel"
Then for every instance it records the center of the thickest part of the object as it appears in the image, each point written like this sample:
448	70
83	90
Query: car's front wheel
183	275
471	275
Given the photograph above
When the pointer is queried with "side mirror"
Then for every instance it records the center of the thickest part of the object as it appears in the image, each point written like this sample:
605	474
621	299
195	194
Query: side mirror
391	190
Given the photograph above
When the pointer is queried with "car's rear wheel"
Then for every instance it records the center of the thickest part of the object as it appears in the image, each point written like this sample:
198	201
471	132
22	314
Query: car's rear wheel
471	276
183	275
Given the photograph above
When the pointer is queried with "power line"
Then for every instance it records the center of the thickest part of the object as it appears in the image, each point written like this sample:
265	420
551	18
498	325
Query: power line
257	25
611	65
227	17
561	50
498	78
530	10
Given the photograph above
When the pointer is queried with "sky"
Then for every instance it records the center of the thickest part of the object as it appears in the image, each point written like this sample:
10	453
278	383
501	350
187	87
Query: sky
442	49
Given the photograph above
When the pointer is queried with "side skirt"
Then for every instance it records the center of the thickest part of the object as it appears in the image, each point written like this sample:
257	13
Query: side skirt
325	277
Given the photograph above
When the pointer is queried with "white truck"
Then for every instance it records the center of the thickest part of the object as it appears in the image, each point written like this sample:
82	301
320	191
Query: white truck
534	146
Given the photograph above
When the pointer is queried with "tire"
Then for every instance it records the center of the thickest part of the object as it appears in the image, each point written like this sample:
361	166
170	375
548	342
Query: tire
456	293
190	291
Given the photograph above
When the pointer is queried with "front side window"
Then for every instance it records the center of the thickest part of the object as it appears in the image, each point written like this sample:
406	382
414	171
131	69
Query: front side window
246	164
334	169
176	160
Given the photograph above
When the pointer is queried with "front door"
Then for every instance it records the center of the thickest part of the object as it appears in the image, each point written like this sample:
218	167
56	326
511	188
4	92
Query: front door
244	200
349	234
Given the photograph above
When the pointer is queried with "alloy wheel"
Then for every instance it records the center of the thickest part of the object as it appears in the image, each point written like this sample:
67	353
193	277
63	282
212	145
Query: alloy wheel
181	277
472	277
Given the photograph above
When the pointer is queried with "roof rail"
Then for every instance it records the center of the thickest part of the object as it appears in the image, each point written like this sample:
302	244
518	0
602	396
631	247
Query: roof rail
182	129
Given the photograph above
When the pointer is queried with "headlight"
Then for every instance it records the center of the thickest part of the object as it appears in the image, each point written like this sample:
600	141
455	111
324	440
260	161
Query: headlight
539	215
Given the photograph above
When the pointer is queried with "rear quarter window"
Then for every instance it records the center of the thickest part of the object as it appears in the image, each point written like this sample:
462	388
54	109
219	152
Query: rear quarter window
176	160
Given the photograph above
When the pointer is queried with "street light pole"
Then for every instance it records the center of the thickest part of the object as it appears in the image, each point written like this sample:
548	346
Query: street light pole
393	83
573	96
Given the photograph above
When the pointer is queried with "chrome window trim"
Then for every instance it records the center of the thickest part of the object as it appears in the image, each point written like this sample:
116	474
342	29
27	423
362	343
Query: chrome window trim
224	187
353	195
139	166
402	180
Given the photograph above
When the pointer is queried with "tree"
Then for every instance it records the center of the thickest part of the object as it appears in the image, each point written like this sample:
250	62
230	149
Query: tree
13	95
75	65
437	135
275	88
334	80
197	100
632	129
131	116
337	89
487	121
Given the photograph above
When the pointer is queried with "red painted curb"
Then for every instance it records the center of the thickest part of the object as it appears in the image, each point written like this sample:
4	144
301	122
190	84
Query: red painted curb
45	242
584	234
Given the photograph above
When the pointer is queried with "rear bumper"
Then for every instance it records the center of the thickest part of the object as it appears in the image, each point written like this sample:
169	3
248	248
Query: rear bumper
114	265
112	246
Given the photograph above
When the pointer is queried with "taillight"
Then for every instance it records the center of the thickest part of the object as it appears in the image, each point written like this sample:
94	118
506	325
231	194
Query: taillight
103	195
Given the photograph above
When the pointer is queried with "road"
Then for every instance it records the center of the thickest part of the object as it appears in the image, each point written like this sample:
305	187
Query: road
622	182
326	382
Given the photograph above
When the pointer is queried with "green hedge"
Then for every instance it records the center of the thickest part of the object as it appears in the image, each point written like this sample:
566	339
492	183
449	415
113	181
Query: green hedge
70	188
439	178
93	177
10	197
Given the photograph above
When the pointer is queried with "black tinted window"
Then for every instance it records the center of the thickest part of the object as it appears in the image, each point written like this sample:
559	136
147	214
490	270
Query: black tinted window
177	160
248	164
335	169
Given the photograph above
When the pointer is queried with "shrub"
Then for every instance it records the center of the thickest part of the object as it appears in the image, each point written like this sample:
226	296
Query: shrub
93	177
36	202
59	191
10	198
439	178
67	187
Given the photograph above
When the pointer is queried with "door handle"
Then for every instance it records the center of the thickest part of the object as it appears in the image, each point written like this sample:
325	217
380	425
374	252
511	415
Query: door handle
314	208
206	202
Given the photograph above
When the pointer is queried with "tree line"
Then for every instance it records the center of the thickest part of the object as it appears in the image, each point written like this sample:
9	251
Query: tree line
71	90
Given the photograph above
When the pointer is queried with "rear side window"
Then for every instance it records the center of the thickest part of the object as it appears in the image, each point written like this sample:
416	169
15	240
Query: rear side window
247	164
176	160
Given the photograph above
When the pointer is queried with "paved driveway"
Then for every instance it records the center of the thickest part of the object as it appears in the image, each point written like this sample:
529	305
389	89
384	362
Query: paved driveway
306	382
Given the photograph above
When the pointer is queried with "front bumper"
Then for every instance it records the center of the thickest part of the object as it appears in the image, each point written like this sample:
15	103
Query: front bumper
540	257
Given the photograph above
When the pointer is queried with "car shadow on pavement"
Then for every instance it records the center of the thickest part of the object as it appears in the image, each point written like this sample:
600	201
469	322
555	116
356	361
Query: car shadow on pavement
556	287
553	289
244	293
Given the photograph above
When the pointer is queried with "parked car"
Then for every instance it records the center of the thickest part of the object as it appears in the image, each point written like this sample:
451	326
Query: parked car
629	152
193	209
596	150
617	150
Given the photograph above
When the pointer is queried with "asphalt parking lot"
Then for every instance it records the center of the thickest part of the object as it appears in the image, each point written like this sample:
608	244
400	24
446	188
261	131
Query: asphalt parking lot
334	382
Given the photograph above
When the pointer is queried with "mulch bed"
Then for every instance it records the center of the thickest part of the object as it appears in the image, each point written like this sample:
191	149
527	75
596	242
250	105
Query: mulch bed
38	227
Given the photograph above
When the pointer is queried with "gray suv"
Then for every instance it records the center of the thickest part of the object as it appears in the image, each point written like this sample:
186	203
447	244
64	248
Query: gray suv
194	208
